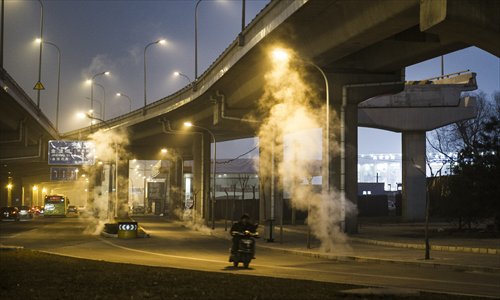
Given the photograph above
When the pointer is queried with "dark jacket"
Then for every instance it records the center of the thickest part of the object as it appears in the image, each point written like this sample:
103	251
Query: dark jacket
241	227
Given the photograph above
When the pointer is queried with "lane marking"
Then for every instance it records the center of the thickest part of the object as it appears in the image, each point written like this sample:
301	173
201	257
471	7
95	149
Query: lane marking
306	269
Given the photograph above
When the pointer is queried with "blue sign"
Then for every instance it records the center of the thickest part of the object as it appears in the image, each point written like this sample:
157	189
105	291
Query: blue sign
71	152
63	173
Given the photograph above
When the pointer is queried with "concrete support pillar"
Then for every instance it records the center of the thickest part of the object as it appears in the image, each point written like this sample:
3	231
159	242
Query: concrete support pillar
175	191
201	175
346	92
351	165
414	178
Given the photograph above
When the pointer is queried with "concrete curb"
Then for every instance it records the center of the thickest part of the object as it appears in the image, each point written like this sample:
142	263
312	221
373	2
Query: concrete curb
493	251
431	263
357	258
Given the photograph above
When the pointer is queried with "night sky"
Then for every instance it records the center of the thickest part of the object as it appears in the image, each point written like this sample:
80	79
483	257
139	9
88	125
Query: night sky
96	36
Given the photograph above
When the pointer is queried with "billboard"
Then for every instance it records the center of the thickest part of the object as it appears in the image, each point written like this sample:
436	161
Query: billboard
63	173
71	152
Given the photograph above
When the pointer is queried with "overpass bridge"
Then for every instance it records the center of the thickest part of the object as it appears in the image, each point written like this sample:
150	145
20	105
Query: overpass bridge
353	42
24	135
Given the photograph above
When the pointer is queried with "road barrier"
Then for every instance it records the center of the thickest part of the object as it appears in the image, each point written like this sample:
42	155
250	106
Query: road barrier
127	230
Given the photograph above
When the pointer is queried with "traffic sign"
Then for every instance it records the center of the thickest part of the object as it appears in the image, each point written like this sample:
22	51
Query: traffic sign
63	173
39	86
71	152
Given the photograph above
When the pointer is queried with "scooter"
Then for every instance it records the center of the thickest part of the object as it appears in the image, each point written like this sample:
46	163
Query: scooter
246	249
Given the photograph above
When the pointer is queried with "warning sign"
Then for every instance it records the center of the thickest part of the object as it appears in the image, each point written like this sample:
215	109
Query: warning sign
39	86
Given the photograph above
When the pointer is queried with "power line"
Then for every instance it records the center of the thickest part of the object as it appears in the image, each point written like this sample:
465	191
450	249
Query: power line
239	156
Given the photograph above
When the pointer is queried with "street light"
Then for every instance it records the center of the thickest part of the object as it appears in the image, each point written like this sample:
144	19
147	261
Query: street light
196	40
35	192
129	100
9	194
188	125
177	74
39	86
103	108
91	81
427	207
164	150
161	42
282	56
100	106
39	40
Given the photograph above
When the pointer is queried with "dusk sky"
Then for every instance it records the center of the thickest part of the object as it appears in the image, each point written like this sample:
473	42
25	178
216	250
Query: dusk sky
96	36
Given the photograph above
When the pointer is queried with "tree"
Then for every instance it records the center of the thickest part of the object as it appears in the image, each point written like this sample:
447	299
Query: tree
449	140
471	194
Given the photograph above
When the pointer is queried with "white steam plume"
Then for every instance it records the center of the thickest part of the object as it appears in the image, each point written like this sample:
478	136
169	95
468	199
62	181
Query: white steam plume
292	111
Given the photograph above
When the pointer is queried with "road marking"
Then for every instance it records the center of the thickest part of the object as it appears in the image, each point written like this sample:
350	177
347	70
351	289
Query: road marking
162	254
307	269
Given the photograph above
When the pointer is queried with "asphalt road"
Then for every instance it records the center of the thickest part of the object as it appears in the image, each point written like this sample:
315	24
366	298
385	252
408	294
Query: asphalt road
172	245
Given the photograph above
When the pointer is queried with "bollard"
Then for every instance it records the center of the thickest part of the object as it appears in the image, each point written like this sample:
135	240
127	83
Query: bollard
127	230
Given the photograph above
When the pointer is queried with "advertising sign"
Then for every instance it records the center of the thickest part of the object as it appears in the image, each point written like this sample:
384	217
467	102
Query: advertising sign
71	152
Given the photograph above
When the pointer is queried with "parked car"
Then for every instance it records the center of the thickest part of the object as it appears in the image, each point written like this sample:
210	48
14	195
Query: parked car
72	209
9	213
25	212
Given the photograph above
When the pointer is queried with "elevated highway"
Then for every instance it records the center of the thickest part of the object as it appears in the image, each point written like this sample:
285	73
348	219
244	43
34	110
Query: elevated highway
353	42
24	133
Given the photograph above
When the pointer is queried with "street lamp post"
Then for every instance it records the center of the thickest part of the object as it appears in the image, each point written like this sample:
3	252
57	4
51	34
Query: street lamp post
161	42
189	124
92	87
39	40
196	40
129	100
9	193
100	106
35	192
103	111
183	75
283	55
38	85
427	208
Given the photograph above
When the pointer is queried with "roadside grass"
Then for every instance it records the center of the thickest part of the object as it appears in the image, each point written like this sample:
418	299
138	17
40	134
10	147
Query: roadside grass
26	274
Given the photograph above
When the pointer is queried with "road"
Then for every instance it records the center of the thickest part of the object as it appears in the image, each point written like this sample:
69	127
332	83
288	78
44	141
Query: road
173	245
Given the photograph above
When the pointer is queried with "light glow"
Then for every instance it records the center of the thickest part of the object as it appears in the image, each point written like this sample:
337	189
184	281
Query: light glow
280	55
81	115
188	124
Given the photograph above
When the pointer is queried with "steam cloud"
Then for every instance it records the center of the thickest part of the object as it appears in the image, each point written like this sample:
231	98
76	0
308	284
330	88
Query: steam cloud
109	144
293	113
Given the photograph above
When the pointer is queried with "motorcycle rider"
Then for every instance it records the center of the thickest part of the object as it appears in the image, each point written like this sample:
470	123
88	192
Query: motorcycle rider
240	227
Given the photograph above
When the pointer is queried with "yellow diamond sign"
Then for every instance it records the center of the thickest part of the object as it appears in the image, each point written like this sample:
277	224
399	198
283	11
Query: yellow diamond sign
39	86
